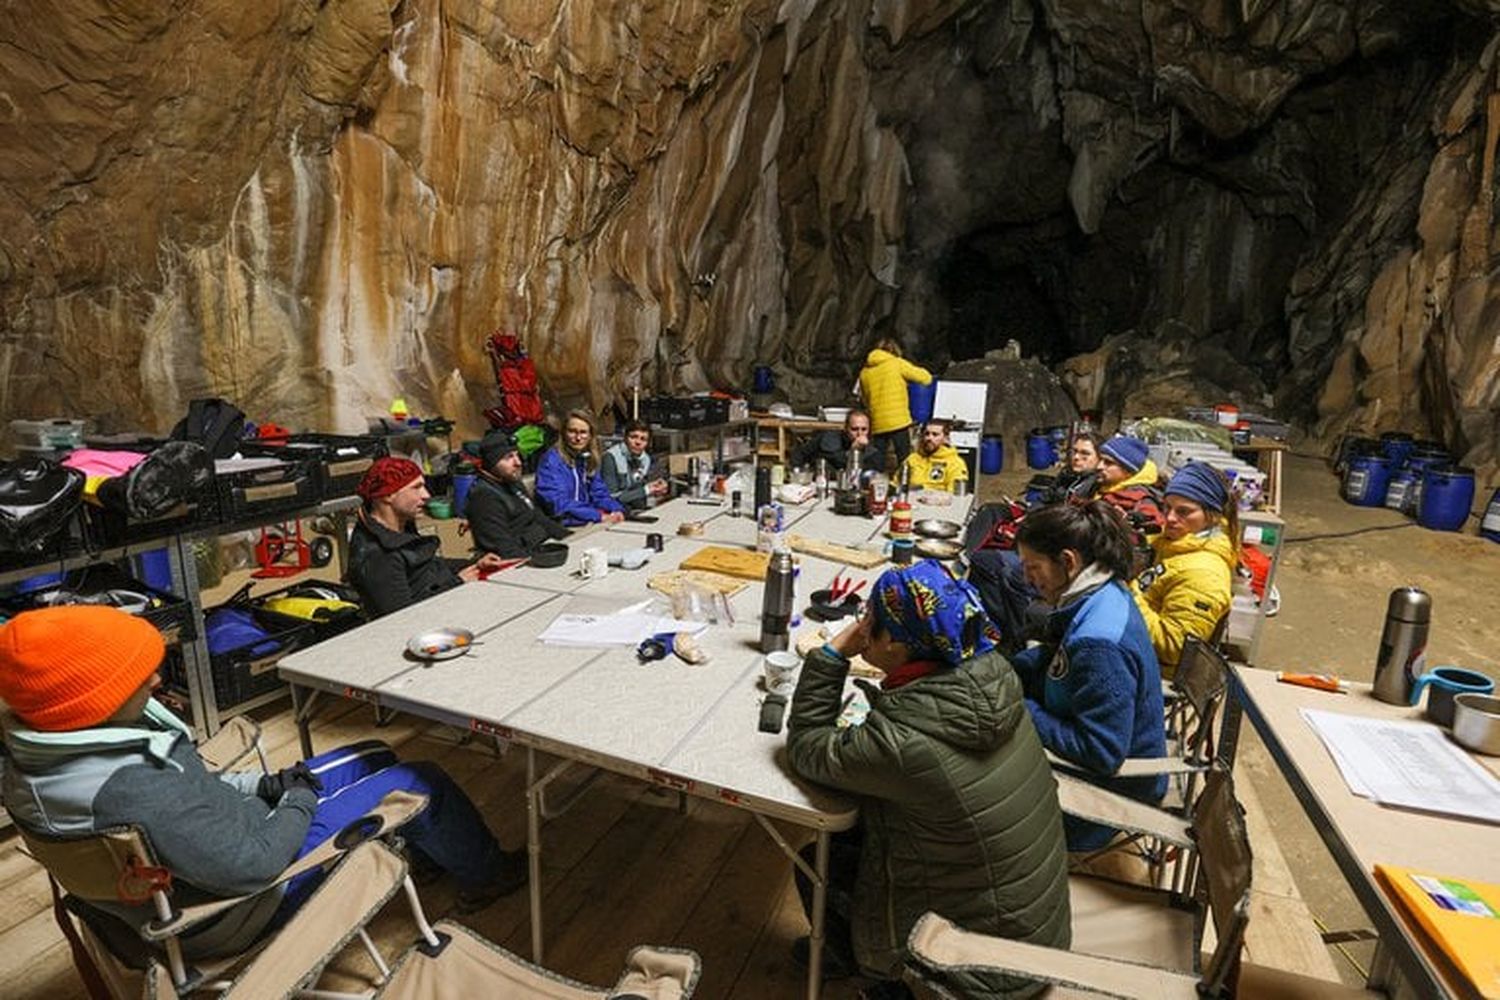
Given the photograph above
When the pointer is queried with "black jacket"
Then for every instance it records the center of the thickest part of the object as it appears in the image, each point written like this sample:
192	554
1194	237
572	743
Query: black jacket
505	521
833	448
392	569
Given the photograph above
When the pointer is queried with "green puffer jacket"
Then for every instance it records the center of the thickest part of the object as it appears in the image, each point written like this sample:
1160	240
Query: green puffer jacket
958	805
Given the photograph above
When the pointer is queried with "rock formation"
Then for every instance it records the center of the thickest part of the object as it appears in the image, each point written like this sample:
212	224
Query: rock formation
312	206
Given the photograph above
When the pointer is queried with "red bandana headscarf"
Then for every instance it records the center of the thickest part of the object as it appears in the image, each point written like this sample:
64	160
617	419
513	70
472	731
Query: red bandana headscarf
387	476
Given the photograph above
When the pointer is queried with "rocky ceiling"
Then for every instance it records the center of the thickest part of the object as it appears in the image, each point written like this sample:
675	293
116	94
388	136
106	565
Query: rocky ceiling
312	206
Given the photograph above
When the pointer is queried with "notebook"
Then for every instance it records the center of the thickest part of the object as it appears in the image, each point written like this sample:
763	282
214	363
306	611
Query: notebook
1461	916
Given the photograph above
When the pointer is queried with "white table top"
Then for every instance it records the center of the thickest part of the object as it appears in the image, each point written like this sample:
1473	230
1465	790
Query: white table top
1361	833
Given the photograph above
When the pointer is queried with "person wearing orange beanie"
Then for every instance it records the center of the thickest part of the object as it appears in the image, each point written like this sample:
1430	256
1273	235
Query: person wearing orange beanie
88	748
390	564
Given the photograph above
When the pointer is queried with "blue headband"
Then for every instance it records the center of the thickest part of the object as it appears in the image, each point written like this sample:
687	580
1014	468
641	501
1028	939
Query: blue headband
1201	483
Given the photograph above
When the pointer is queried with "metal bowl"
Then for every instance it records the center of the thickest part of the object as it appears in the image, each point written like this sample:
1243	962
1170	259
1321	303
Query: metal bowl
938	548
1476	722
932	527
440	643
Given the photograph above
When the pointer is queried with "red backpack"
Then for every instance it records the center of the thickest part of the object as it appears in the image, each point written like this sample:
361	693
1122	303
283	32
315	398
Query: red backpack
515	374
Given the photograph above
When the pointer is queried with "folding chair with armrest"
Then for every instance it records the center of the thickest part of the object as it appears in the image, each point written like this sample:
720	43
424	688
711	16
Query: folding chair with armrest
118	865
1130	964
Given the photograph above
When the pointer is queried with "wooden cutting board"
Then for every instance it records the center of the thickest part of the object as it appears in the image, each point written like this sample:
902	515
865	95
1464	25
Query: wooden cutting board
743	563
675	581
846	554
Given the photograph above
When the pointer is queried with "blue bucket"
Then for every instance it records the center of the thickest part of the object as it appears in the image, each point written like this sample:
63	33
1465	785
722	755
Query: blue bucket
461	487
991	455
1447	496
764	380
920	398
1365	480
1489	527
1396	446
1041	453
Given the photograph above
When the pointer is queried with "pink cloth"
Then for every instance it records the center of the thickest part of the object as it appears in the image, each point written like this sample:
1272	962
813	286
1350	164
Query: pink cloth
95	462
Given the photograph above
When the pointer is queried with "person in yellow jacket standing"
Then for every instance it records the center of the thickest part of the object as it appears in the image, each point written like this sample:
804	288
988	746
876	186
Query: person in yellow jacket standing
936	464
882	385
1187	589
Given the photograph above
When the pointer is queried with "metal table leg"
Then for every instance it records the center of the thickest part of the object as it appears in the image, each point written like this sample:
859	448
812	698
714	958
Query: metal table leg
303	701
535	808
818	874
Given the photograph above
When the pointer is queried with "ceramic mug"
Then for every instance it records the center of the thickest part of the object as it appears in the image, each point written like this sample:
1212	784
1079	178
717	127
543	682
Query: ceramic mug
781	671
593	564
1442	684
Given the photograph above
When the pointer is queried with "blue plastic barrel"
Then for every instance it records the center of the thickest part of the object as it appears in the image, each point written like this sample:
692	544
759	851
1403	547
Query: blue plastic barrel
1399	490
461	487
1041	453
1365	480
1489	527
920	399
1447	496
991	455
1059	435
1396	446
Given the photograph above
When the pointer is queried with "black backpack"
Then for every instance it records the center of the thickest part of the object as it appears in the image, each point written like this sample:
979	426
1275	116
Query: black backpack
216	424
37	497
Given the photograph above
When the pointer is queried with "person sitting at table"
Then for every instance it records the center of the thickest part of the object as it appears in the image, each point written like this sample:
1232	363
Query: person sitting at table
958	809
1080	478
87	749
936	464
1187	589
502	516
568	484
626	469
882	386
390	564
1127	479
1092	685
832	448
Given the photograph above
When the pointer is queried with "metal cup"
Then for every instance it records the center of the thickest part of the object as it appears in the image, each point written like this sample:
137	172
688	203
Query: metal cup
655	542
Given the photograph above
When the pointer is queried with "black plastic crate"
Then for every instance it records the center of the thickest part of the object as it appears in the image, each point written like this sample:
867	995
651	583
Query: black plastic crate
324	622
108	527
684	412
287	486
342	459
248	671
172	615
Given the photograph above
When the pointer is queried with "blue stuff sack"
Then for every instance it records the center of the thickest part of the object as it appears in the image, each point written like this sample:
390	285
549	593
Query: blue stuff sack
235	628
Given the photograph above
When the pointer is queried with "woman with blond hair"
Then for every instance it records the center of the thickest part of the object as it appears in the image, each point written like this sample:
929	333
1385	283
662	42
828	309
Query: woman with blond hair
882	385
568	484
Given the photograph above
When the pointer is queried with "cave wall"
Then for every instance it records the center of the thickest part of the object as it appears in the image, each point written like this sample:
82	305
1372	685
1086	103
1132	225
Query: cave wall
312	206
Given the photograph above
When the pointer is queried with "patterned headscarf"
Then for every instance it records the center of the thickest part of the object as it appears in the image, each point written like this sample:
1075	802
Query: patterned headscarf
938	616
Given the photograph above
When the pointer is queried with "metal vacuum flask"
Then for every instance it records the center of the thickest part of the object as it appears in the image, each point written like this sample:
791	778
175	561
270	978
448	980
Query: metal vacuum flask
776	608
1403	645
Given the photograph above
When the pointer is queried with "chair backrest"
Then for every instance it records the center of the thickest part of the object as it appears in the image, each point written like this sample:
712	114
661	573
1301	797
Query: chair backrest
112	866
1224	876
1202	679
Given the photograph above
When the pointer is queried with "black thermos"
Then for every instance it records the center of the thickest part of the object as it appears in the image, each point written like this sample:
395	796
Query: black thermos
762	487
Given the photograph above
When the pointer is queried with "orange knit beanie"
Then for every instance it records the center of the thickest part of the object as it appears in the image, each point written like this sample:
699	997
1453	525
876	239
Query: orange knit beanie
71	667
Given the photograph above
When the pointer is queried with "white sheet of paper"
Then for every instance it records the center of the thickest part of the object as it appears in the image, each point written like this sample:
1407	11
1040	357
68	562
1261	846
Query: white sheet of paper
1412	765
625	628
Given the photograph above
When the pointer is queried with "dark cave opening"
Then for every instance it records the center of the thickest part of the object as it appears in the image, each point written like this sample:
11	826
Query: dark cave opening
991	301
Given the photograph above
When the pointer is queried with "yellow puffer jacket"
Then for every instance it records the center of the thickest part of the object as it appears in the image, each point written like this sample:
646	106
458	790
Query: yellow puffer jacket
1186	591
938	471
882	385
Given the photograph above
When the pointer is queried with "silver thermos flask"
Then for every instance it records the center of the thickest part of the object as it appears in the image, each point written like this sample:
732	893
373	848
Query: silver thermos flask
1403	645
776	608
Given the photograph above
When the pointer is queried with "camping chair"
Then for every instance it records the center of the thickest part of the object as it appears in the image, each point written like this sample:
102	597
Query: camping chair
1149	945
118	865
464	964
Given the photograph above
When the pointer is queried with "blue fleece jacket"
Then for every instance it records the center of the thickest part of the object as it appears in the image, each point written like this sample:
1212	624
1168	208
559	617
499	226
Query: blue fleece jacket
1094	691
570	493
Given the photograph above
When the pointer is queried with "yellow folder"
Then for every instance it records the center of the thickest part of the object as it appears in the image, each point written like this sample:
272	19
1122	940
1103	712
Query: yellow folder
1461	916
